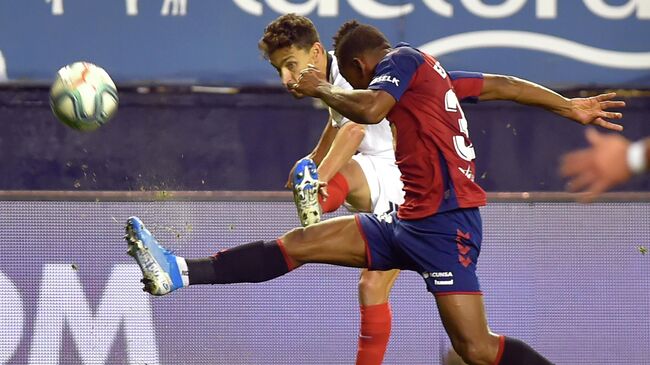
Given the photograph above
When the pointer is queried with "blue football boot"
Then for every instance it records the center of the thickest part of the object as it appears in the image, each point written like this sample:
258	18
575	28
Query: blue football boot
161	269
305	192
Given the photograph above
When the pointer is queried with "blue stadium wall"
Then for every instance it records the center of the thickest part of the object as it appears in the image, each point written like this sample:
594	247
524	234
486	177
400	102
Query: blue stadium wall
174	138
170	138
557	43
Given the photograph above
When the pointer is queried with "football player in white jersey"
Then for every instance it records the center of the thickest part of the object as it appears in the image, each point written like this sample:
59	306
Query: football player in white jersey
357	162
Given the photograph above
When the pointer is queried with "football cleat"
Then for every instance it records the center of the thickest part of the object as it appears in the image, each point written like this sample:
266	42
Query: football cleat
305	192
161	269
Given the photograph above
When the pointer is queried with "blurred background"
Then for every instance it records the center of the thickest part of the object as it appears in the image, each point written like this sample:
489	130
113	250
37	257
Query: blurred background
200	109
194	86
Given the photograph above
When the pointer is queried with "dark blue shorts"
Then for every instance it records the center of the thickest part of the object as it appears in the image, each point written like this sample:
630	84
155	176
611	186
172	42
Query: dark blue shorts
443	248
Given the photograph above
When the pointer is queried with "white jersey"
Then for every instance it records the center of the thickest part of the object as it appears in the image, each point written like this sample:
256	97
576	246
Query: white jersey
378	140
375	155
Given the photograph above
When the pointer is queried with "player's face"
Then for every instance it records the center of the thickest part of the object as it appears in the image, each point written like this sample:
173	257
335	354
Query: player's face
289	61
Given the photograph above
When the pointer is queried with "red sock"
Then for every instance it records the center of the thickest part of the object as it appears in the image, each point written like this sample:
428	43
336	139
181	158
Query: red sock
374	334
338	189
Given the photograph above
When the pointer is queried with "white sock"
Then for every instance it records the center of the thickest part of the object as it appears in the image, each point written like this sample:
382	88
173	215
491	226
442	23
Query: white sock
182	266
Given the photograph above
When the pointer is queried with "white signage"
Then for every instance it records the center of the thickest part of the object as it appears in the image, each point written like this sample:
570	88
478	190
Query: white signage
123	309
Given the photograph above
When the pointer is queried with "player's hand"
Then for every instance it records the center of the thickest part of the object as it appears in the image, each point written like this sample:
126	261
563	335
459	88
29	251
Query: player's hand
309	81
595	111
598	168
322	190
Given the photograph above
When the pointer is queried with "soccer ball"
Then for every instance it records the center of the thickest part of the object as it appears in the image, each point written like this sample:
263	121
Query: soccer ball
83	96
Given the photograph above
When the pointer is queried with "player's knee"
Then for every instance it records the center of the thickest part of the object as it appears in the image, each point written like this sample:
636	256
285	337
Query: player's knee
294	236
299	244
372	288
369	284
293	242
302	235
475	352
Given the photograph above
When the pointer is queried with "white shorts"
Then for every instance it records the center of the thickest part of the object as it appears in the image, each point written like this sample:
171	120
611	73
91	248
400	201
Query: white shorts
383	178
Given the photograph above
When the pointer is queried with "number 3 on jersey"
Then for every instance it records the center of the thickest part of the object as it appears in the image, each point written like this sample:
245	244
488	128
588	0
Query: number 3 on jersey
452	105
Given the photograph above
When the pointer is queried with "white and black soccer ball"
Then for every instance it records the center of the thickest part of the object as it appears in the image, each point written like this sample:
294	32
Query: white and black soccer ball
83	96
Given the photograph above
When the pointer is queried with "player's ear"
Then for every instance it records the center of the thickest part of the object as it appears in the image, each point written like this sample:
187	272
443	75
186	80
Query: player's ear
317	51
358	65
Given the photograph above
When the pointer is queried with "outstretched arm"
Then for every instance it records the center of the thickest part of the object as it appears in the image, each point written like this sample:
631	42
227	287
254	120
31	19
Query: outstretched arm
361	106
586	111
610	160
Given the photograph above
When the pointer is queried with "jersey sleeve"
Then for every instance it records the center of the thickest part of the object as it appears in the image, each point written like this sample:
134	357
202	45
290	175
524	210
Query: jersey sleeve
467	85
395	71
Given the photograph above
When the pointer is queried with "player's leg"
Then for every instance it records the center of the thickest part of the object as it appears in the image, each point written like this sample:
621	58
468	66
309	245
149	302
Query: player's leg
463	316
465	321
445	248
373	182
352	184
376	316
374	286
349	184
337	241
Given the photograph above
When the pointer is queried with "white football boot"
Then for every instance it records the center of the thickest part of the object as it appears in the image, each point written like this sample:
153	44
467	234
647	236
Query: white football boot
162	271
305	192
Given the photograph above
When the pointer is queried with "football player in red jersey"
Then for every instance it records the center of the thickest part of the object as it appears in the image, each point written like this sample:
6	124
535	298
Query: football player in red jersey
437	230
357	161
437	234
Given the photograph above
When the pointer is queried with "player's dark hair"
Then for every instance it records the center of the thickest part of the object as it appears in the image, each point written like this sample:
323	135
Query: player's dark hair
354	38
286	31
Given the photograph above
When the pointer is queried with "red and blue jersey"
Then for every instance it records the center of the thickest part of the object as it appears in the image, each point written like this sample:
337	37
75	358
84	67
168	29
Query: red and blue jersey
433	152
